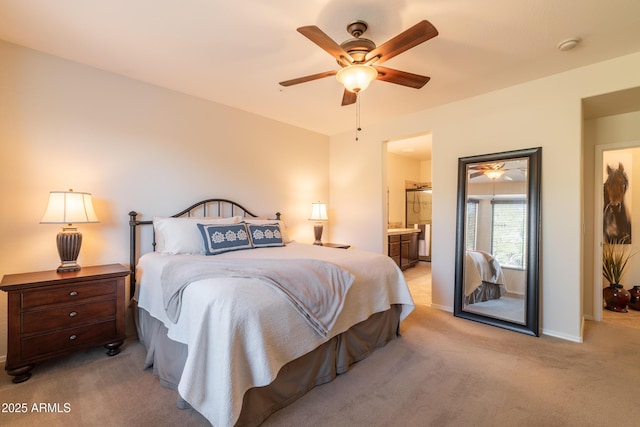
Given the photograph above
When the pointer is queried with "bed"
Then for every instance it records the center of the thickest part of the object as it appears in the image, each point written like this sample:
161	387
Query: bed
236	346
483	277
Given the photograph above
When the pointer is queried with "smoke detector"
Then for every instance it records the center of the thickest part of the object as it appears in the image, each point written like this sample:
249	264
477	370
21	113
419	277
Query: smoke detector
568	44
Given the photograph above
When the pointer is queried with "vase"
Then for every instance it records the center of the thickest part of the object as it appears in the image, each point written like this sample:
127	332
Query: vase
634	301
616	298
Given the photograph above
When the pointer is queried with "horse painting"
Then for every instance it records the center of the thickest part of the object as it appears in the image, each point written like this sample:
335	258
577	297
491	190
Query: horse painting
616	220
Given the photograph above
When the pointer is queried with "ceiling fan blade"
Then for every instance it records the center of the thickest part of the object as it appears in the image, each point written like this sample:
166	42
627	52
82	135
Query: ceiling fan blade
403	78
488	166
475	174
419	33
308	78
318	36
349	97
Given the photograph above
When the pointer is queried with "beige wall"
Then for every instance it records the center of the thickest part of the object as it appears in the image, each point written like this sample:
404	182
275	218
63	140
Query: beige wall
135	147
400	169
542	113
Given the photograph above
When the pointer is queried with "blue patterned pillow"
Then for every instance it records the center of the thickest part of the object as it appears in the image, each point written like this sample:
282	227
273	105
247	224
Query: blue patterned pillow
219	238
265	235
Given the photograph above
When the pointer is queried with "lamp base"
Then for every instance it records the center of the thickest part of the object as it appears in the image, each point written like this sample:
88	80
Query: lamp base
317	232
69	241
66	267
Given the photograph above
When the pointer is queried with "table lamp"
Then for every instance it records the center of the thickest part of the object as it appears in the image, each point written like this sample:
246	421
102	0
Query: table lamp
69	208
318	214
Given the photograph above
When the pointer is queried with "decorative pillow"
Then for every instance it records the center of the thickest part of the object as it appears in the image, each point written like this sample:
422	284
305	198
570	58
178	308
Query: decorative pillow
181	235
283	227
224	238
265	235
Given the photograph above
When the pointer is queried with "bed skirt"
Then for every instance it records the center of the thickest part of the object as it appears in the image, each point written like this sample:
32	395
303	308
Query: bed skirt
322	365
484	292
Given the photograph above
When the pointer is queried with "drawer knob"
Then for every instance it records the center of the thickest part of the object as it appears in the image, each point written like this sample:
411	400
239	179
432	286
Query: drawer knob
73	314
73	337
73	293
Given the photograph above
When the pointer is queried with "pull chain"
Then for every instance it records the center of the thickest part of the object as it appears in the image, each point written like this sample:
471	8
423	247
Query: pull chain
358	128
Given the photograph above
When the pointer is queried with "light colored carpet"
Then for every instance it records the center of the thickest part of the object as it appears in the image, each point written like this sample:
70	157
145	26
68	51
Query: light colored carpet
443	371
630	319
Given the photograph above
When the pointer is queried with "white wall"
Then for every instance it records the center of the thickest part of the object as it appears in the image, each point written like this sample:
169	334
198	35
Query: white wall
542	113
135	147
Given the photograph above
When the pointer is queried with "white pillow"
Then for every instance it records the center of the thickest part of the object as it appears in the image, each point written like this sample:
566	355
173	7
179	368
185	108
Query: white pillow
261	221
181	235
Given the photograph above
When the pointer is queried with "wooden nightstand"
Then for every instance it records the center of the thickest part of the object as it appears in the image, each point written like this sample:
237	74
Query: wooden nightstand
336	245
52	314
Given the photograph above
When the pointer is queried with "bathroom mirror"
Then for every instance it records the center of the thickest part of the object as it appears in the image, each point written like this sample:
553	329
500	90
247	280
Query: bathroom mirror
498	239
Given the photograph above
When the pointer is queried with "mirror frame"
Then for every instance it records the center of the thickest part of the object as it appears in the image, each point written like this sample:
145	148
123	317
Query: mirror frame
531	324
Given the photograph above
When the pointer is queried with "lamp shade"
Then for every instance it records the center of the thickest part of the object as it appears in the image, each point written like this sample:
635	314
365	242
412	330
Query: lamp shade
69	207
356	78
318	212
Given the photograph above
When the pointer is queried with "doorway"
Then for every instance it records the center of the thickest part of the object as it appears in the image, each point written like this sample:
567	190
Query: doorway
409	187
618	158
408	182
611	121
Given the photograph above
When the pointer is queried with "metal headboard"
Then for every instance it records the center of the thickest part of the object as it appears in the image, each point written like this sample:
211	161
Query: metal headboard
208	207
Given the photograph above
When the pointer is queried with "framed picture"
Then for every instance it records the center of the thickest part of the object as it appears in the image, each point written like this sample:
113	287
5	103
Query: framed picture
617	171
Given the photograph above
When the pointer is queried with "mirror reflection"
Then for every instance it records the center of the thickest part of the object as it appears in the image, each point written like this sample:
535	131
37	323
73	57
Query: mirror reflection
495	239
497	271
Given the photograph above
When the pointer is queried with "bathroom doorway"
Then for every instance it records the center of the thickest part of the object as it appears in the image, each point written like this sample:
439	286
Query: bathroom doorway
409	187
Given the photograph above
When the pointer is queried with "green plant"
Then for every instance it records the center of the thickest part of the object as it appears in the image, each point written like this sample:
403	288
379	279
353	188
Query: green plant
615	257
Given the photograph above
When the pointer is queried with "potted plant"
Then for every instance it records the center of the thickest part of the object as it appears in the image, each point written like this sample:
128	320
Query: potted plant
615	256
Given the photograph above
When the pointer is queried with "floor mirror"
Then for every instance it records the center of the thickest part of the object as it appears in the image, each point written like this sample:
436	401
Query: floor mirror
497	279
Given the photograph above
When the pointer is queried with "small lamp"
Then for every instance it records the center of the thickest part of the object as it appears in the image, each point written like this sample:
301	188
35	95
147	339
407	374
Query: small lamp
318	213
69	207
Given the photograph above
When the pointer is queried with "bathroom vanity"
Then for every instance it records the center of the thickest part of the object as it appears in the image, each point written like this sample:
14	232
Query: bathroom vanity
403	246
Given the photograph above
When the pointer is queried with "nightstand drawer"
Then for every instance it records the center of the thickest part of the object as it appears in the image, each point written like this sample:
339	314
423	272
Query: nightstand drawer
68	316
69	294
61	341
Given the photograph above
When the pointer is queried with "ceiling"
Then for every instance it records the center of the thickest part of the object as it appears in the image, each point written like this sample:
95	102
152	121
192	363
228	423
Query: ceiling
235	53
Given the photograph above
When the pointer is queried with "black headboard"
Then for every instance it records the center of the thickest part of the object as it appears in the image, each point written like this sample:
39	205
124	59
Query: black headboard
208	207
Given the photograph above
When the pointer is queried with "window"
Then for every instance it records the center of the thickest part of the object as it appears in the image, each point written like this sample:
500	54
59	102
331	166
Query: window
508	237
472	224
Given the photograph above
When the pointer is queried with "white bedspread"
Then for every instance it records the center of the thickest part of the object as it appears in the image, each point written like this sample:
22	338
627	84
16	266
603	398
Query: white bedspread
240	333
315	289
481	266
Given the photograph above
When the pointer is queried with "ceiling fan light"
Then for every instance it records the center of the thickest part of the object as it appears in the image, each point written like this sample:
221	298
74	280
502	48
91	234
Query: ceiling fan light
494	174
356	78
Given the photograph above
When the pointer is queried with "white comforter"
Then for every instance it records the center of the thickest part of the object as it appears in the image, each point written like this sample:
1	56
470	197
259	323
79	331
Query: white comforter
239	332
481	266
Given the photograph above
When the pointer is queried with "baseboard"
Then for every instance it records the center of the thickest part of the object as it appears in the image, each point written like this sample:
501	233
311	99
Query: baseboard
442	307
561	335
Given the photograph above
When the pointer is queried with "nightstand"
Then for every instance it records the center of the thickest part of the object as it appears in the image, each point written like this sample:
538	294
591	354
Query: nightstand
52	314
336	245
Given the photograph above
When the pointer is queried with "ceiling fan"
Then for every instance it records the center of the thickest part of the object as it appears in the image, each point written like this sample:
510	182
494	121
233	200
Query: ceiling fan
360	58
493	171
